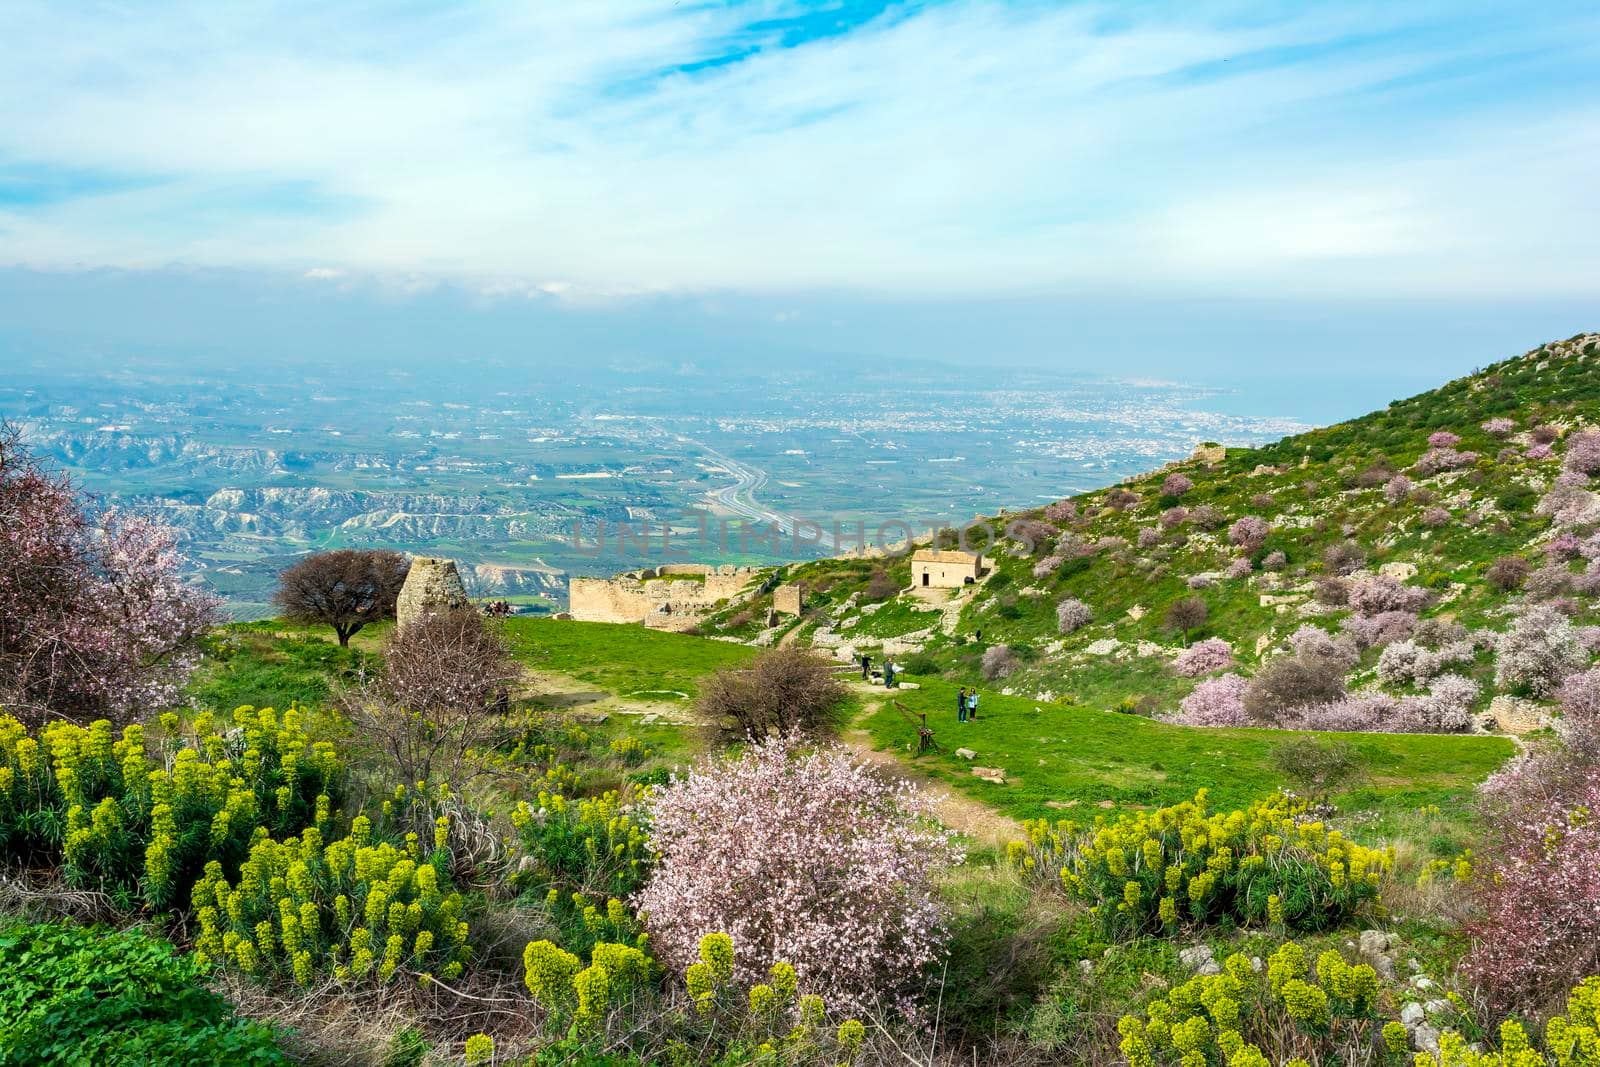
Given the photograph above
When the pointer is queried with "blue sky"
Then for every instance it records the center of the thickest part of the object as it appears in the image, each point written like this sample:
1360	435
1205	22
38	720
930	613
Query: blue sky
781	157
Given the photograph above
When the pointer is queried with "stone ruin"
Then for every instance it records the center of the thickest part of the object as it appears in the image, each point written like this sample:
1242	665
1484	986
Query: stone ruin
433	585
673	596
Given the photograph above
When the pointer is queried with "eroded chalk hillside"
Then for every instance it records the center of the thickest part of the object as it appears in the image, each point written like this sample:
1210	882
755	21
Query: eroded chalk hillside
1429	567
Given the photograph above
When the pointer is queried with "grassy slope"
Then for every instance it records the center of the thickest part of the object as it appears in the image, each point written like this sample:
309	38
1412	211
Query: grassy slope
1055	754
1321	494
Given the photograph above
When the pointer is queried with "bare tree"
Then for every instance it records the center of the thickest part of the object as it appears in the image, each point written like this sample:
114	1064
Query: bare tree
442	695
1187	614
345	589
784	691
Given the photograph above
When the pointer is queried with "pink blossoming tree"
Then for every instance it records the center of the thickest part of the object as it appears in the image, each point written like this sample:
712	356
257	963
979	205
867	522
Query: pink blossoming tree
95	617
803	856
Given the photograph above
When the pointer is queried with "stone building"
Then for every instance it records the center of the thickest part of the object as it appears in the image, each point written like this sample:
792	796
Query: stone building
432	585
945	569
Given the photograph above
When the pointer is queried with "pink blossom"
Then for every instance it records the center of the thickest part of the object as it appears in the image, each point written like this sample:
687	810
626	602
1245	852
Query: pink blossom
1583	453
1539	452
1436	460
805	857
1072	614
1378	593
1203	657
1249	533
1175	484
1498	427
1397	488
1215	702
1443	439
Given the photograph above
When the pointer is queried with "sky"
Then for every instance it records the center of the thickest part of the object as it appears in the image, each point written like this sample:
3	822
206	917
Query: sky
1395	189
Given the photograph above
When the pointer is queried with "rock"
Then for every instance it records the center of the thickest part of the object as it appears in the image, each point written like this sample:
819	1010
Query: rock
1400	572
1062	804
1375	949
966	753
1412	1015
1103	647
1425	1038
1422	983
1086	967
1199	960
1517	716
1208	454
1437	1007
433	585
997	775
1136	612
1263	643
1106	804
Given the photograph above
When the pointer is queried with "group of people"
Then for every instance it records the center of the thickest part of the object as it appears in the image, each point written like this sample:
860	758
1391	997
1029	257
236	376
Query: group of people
889	670
966	705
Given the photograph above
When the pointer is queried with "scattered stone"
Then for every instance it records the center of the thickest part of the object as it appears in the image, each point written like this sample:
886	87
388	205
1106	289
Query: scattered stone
1400	572
1062	804
1376	949
1103	647
1106	804
1136	612
1199	960
1422	983
966	753
1086	967
1425	1038
1437	1007
1412	1015
997	775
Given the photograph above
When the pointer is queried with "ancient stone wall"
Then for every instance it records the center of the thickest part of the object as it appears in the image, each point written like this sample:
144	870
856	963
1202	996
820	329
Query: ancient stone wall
673	596
788	599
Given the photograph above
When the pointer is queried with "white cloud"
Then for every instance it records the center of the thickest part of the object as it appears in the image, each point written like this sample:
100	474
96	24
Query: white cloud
971	147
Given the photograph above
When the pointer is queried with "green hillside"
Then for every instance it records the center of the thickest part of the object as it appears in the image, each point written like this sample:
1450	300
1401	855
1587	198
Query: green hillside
1327	499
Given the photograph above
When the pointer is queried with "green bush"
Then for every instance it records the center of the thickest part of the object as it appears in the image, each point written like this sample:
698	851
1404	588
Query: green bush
1157	872
76	995
121	822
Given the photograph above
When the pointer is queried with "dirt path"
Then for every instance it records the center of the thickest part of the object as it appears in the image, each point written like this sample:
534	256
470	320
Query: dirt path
961	813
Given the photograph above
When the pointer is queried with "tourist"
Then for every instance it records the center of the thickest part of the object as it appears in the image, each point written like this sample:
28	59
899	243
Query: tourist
961	706
972	705
866	668
888	674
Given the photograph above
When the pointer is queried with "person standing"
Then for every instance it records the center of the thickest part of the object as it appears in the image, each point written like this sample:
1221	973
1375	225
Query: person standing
972	705
888	674
961	705
866	667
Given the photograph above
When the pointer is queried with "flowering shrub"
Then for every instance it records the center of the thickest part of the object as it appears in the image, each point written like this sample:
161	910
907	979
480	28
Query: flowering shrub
1539	451
1583	453
1215	702
1175	484
998	662
1248	533
1397	488
1240	568
1230	1016
1173	518
1149	537
1199	581
1443	439
1375	631
1313	642
1435	518
795	854
1538	928
96	617
1498	427
1156	872
1374	594
1406	663
1537	653
1061	511
1048	566
1072	614
1203	657
593	846
365	911
123	823
1436	460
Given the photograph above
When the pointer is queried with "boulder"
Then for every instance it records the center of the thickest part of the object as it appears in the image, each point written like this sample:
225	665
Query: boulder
966	753
1400	572
433	585
997	775
1197	959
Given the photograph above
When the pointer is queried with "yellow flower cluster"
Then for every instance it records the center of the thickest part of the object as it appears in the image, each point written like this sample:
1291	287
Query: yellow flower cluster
1203	1020
1146	872
134	816
300	907
1570	1040
1460	869
560	983
591	844
631	750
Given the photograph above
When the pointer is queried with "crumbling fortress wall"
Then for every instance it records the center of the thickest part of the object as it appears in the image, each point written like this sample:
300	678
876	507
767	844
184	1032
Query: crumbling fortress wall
673	596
